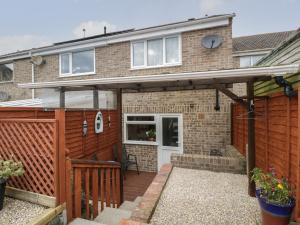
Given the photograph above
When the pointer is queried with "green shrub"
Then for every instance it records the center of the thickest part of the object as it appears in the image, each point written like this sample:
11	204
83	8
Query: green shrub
9	168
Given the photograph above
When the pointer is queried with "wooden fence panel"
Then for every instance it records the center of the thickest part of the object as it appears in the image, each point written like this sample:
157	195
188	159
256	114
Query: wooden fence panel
92	144
276	137
33	142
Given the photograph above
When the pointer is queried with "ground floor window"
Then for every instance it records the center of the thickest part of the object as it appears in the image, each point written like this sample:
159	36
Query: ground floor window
152	129
140	129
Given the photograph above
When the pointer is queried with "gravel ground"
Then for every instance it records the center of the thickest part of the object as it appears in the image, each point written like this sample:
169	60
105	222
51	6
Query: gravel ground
16	212
196	197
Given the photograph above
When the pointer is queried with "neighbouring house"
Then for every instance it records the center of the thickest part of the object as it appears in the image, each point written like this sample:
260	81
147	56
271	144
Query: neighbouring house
248	50
160	123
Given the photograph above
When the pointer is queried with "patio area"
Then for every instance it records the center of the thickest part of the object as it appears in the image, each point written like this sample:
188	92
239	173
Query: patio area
204	197
135	185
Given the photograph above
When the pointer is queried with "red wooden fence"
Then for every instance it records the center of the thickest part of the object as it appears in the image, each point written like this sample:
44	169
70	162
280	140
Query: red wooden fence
93	182
40	138
276	136
33	142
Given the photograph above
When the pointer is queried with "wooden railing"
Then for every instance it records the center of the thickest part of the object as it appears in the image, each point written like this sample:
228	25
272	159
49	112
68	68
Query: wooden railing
90	184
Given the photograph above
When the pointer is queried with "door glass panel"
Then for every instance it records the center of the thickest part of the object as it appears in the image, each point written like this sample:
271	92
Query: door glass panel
170	131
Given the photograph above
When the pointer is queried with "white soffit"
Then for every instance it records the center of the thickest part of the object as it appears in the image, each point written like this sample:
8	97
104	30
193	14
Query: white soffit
216	74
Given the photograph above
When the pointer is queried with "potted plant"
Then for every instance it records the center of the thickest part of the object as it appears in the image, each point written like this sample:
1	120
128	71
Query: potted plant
8	168
275	196
151	134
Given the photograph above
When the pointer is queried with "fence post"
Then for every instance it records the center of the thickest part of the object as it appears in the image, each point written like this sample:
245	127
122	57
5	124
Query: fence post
297	210
288	138
69	190
266	120
60	117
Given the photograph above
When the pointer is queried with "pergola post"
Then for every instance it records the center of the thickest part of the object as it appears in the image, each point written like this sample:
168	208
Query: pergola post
96	98
62	97
251	136
120	135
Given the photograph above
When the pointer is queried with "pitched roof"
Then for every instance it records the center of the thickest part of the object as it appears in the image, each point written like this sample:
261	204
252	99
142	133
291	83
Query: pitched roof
128	32
261	41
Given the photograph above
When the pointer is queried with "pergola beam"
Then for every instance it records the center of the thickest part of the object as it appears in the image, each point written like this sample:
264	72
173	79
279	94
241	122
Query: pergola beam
228	93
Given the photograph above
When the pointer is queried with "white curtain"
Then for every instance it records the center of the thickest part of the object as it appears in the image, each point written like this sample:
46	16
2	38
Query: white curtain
155	52
172	50
138	54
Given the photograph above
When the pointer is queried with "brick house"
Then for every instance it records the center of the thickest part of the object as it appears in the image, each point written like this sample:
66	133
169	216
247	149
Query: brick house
155	124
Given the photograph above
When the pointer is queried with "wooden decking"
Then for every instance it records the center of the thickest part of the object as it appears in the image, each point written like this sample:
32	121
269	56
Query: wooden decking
135	185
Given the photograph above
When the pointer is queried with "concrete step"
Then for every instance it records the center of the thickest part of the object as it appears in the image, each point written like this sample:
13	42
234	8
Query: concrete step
138	199
79	221
127	205
112	216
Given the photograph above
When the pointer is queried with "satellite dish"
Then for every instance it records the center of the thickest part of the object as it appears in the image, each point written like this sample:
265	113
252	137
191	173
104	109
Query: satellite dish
212	41
37	60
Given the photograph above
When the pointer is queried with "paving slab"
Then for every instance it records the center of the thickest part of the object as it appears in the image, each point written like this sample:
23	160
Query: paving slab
112	216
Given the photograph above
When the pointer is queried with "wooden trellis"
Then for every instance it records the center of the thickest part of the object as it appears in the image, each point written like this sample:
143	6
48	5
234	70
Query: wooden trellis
33	142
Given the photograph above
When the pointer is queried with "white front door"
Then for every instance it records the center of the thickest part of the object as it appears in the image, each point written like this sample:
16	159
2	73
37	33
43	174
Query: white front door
170	138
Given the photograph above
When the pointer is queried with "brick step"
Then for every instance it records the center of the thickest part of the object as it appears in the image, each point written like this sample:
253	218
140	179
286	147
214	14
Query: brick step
79	221
112	216
130	206
138	199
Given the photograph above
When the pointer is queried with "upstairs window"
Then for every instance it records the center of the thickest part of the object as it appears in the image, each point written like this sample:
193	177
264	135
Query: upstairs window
157	52
77	63
248	61
6	72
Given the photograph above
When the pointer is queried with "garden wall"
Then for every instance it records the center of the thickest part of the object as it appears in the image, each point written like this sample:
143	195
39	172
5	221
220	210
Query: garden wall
276	135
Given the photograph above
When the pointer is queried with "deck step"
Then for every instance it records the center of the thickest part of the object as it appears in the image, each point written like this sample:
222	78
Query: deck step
138	199
112	216
130	206
79	221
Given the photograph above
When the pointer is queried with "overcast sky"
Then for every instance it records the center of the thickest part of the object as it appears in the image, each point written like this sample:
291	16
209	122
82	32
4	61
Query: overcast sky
33	23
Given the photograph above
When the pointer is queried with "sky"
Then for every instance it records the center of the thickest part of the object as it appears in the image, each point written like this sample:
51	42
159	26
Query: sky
35	23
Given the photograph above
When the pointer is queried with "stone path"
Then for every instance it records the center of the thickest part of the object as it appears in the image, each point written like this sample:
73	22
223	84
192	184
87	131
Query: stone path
196	197
19	212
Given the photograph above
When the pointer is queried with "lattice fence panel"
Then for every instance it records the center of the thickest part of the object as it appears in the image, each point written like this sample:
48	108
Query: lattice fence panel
33	142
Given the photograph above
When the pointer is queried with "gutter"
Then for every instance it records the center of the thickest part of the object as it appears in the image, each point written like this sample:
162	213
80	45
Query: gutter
205	75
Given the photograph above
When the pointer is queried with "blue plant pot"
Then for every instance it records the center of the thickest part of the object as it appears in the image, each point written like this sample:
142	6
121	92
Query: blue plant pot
272	213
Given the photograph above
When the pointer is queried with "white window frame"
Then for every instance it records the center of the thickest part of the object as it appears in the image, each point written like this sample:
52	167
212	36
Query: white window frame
164	64
13	75
251	59
154	122
70	74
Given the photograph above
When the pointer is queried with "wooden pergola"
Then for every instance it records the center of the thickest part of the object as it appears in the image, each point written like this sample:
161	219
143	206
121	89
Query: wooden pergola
220	80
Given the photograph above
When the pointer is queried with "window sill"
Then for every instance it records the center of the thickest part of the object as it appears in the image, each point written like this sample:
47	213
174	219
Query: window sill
141	143
155	67
76	75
